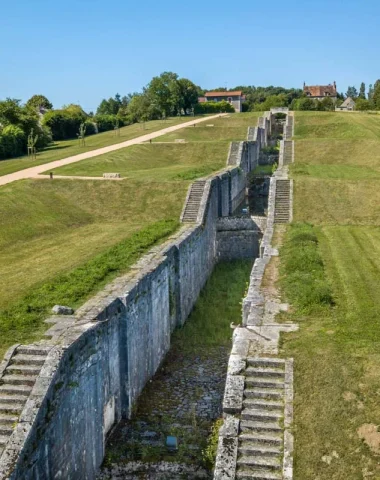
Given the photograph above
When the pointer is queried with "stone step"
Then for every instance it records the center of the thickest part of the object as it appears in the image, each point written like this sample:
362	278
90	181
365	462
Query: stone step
33	350
7	419
263	393
266	361
258	450
260	438
257	475
264	382
6	430
10	398
3	439
264	372
263	404
23	390
260	415
267	463
15	407
253	426
18	380
27	359
23	369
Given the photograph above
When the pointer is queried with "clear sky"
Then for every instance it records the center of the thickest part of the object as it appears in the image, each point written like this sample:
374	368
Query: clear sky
83	50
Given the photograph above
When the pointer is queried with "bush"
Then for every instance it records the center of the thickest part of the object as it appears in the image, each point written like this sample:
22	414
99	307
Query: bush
12	142
107	122
90	127
65	123
213	107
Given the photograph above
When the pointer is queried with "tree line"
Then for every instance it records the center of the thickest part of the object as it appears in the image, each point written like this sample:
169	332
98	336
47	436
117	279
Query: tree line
164	96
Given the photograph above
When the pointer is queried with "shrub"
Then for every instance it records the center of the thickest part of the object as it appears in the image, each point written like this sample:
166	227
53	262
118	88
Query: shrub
64	123
90	127
213	107
107	122
12	142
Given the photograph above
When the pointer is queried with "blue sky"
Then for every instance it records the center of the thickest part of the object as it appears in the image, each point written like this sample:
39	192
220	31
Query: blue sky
82	51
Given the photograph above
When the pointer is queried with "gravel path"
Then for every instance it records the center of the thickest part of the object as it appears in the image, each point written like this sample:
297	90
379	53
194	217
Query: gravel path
32	172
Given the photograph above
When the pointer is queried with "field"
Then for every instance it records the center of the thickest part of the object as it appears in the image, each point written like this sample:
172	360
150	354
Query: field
62	240
229	128
331	275
67	148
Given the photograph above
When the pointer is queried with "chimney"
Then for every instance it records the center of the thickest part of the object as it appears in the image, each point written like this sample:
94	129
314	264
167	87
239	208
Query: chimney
335	85
304	84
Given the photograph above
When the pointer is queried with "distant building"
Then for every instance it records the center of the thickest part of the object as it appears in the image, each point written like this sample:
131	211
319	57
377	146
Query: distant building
347	105
236	99
320	92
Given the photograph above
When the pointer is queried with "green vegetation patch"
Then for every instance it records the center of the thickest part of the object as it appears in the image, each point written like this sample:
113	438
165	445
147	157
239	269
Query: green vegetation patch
303	277
22	322
159	162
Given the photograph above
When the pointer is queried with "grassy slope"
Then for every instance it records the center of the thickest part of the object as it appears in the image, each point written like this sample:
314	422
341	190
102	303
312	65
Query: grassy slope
67	148
230	128
336	351
163	162
53	232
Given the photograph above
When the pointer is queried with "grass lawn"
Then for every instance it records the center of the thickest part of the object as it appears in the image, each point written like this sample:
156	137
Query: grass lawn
331	276
68	148
62	240
163	162
231	128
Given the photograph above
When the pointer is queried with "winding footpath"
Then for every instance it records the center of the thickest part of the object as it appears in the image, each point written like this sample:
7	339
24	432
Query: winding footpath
33	172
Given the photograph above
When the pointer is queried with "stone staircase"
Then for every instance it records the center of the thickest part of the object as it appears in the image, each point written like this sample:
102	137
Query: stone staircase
288	152
261	438
193	203
289	127
282	202
16	384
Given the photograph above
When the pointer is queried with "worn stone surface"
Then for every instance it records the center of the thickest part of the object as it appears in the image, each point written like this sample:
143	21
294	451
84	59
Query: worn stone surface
62	310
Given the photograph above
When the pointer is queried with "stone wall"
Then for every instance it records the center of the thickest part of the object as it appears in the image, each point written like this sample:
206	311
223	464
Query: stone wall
101	358
237	237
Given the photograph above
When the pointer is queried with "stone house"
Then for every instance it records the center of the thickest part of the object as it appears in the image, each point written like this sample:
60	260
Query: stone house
320	92
347	106
234	98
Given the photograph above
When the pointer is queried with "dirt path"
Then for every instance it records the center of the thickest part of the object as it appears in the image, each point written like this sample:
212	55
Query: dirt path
32	172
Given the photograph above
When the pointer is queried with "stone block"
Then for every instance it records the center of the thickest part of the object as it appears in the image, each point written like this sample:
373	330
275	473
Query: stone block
111	175
62	310
233	394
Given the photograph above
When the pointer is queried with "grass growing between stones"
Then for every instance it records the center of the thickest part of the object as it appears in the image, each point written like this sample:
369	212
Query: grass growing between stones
185	396
330	274
68	148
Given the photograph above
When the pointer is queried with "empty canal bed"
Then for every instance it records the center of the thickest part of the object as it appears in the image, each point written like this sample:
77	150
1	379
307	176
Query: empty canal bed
184	398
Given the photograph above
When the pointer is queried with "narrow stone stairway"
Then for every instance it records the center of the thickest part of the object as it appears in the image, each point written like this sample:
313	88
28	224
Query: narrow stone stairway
288	152
282	202
289	127
190	213
16	384
261	438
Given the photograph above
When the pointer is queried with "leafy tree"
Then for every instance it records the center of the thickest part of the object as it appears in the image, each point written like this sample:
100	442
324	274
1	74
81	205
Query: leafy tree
38	101
362	104
188	94
376	95
165	92
326	104
370	92
272	101
352	92
362	90
110	106
304	104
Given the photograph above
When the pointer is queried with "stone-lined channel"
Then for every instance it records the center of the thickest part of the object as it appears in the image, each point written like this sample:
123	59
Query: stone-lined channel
184	398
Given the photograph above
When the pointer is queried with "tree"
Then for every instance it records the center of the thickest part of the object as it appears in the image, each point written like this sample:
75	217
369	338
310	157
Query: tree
362	90
376	95
165	92
370	92
272	101
188	94
362	104
39	101
110	106
352	92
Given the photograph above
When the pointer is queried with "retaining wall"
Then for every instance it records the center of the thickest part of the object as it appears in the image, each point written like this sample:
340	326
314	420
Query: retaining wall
101	358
